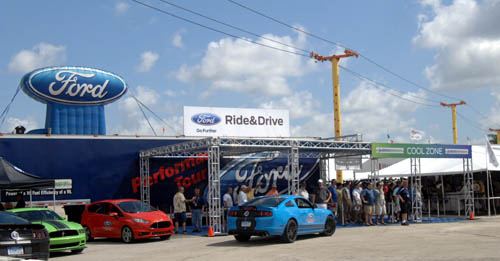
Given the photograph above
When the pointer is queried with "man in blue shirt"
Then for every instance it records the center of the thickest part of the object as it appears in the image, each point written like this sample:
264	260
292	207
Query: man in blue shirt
405	202
197	207
368	197
333	190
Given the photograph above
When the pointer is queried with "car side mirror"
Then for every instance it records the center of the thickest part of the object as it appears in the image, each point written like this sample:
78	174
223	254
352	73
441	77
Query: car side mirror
113	214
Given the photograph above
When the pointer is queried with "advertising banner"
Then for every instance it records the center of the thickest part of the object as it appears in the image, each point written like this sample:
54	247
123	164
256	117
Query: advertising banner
405	150
235	122
348	163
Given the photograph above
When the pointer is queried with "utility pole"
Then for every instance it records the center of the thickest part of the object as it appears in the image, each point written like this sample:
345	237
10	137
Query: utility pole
335	60
498	134
453	107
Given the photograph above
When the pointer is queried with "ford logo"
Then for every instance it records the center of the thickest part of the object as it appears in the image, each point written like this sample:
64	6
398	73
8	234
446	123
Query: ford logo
15	235
73	85
205	119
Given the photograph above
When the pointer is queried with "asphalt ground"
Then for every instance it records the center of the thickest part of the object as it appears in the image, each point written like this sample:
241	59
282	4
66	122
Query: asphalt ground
465	240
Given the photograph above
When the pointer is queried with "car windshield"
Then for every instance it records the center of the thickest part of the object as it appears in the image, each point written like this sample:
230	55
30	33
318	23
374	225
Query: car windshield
135	207
39	215
7	218
264	202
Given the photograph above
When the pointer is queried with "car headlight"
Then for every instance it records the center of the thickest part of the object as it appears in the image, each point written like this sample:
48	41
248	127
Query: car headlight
81	231
140	220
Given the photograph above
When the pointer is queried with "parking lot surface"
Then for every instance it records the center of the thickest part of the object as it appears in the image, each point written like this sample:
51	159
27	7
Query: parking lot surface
468	240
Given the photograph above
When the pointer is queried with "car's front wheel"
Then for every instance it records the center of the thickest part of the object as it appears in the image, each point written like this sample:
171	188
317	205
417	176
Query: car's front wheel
290	233
127	235
88	234
76	251
242	237
330	226
167	237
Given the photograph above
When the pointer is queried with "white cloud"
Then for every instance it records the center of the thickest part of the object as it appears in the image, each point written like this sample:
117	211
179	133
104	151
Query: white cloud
300	104
240	66
366	110
376	113
148	60
493	117
121	8
12	122
467	40
177	40
42	54
134	121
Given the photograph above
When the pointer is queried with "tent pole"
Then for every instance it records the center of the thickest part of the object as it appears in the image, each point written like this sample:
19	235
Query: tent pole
442	191
487	180
488	191
54	198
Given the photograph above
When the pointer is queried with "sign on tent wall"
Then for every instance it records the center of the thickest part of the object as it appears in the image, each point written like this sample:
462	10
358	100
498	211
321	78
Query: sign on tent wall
405	150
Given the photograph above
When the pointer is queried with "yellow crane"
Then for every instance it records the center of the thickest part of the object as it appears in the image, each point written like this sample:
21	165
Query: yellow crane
335	60
453	107
498	134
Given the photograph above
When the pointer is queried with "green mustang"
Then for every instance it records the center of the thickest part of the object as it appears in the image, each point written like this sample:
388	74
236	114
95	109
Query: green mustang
64	235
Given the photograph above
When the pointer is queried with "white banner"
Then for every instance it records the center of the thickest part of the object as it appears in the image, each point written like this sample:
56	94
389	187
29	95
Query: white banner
235	122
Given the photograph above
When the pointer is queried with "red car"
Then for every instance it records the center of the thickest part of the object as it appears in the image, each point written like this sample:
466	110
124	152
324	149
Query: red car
127	219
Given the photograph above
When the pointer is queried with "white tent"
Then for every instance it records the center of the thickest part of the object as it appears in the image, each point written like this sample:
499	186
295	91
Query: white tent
432	167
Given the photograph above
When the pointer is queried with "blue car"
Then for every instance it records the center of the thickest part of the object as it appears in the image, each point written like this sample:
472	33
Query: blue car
285	216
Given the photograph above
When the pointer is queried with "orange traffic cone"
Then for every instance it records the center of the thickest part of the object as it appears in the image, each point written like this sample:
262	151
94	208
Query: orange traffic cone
210	232
471	215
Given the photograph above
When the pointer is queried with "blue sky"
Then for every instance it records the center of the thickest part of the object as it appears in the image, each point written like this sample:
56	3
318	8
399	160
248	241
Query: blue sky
451	47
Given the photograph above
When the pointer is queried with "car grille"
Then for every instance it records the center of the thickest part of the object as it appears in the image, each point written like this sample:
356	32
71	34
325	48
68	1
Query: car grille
162	224
64	245
63	233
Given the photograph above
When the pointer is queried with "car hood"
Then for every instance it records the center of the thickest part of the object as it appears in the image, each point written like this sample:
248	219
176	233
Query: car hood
55	225
152	216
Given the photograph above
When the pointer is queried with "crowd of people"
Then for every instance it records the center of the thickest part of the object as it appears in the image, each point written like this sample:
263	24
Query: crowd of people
353	202
363	202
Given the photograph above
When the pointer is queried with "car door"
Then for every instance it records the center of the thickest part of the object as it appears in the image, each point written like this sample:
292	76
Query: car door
115	222
92	219
306	217
99	220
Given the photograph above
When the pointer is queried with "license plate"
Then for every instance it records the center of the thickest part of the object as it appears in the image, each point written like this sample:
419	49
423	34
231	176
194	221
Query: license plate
246	223
15	250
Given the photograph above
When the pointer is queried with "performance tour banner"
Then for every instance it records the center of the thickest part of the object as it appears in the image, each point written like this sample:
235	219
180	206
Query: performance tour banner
257	170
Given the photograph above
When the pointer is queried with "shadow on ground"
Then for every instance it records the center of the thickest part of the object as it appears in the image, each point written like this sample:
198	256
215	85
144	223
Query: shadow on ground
256	241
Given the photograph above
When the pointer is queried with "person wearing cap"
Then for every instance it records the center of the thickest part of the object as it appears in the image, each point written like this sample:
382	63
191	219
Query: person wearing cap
273	191
242	195
322	196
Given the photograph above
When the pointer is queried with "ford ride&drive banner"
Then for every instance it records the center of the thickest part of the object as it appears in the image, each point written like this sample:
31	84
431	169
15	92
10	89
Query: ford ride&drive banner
235	122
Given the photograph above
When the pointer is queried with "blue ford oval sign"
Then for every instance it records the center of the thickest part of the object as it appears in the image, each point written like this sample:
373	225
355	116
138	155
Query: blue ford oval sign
205	119
73	85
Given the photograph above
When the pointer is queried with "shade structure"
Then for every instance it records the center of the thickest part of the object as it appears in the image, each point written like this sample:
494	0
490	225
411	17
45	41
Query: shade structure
12	177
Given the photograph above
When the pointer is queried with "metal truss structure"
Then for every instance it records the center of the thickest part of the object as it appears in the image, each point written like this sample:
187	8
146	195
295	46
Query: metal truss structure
215	148
416	189
469	191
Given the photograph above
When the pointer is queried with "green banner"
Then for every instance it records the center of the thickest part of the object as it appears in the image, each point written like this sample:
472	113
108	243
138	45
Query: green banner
408	150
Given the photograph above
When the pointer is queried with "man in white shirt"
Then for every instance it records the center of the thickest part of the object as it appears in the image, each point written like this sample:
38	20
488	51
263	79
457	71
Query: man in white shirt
228	198
180	210
242	196
227	201
303	191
